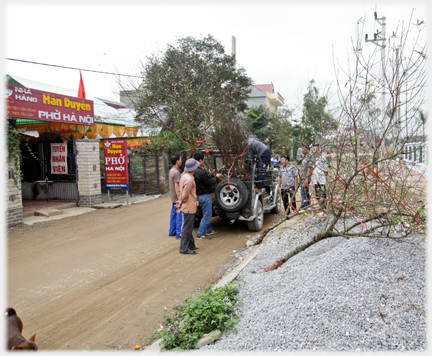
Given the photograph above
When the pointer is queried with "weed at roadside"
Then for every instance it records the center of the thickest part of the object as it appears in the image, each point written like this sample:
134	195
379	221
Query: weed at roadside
215	309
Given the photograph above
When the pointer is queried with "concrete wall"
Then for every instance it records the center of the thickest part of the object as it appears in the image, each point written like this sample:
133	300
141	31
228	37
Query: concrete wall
256	98
88	172
271	107
13	196
256	101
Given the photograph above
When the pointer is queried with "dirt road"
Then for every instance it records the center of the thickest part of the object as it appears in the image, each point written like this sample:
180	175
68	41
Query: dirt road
100	281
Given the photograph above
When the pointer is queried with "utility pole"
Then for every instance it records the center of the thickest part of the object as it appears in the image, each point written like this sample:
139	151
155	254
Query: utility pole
380	37
398	122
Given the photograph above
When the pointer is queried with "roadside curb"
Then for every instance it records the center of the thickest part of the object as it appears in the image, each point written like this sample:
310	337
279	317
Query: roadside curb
68	210
236	271
30	220
155	347
106	205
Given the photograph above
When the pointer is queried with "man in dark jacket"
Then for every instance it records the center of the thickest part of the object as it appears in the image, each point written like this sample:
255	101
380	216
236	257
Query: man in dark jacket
203	190
262	153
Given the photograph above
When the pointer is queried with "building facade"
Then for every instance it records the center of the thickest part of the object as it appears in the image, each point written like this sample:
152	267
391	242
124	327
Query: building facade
265	95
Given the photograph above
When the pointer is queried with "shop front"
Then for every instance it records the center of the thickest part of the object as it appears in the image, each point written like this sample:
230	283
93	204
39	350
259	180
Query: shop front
61	144
50	125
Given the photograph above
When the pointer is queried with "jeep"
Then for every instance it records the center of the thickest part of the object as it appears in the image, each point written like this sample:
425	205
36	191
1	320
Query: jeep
237	200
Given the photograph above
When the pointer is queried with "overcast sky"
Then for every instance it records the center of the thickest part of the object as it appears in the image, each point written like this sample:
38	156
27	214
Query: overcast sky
286	43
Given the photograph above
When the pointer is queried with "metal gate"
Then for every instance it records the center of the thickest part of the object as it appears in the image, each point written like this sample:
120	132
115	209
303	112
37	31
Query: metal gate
144	174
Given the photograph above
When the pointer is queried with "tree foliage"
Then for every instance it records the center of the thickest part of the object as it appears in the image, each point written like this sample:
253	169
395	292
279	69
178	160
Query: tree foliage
272	129
189	88
257	120
315	119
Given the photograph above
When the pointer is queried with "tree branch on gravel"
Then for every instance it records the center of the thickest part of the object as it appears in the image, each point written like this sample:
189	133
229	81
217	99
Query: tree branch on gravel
369	178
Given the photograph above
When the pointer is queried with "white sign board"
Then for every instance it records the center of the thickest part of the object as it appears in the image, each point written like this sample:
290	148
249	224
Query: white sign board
59	158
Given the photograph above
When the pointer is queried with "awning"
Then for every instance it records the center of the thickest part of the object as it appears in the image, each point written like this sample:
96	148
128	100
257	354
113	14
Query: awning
30	133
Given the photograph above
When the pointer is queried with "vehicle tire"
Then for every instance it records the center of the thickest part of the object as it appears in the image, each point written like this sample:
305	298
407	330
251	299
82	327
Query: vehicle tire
233	197
257	223
277	208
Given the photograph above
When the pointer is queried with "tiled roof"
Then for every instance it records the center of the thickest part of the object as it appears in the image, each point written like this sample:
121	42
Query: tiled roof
265	87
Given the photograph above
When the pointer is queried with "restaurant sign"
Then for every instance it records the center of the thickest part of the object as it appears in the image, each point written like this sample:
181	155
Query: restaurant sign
116	165
26	103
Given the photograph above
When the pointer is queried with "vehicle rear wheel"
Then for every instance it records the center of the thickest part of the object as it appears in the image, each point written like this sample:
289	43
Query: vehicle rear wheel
232	197
257	223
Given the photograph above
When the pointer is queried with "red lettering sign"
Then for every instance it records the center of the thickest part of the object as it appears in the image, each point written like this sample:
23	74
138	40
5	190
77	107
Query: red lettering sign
58	158
116	165
26	103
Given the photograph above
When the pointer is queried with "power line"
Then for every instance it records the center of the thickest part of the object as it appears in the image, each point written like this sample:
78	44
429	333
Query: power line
85	70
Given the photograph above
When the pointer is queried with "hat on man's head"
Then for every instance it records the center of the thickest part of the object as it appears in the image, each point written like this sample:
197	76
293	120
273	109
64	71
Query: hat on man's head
191	165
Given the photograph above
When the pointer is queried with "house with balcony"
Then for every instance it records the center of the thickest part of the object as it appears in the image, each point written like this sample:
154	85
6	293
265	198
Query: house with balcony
264	94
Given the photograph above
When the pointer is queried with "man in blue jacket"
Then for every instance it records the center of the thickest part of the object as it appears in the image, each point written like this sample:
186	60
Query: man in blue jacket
203	191
262	153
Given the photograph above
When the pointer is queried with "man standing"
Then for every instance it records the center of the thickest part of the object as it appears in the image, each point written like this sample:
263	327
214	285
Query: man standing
288	183
262	153
320	174
203	190
174	189
187	204
299	155
305	176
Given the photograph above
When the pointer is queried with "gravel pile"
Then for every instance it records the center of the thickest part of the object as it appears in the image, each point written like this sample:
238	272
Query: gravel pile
338	295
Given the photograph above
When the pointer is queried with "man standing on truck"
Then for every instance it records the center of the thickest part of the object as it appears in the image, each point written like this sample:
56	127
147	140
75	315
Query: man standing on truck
187	204
174	189
262	153
203	190
288	183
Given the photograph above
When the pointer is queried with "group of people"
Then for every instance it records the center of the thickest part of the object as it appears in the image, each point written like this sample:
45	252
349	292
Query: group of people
276	160
311	162
194	185
185	190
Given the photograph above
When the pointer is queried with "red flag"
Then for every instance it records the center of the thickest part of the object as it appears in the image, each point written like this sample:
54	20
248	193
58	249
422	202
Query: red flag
81	90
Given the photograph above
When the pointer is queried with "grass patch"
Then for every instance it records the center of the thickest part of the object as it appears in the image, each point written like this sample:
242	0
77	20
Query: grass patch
214	309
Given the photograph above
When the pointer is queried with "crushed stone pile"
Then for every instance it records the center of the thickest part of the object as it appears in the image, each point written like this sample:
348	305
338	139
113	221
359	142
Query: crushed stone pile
338	295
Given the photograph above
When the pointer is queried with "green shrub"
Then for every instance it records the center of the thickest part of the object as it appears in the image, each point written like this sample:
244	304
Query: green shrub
213	309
